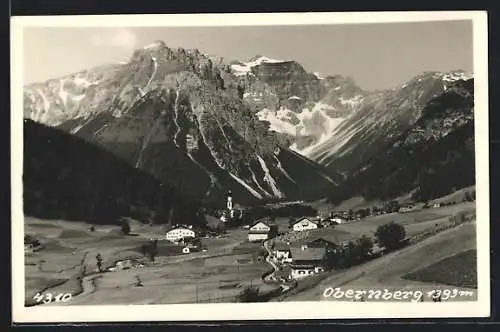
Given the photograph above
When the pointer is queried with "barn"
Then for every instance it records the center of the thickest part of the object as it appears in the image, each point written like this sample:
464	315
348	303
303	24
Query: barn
304	224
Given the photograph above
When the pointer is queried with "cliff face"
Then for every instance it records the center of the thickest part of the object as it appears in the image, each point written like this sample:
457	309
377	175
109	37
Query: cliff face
302	107
65	177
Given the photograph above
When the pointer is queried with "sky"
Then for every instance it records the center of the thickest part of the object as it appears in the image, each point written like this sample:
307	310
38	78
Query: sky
377	56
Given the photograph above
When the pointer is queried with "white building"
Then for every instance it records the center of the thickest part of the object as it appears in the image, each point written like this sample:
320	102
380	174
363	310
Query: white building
304	224
260	231
281	251
306	261
180	232
338	219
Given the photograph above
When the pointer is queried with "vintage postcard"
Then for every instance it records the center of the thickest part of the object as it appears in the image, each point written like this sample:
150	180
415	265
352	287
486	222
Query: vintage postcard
250	166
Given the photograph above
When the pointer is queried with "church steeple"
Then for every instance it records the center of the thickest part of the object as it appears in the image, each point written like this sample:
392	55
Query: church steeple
229	200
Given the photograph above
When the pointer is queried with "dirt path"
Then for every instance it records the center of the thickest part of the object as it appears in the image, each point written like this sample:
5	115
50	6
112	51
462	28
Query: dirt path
272	276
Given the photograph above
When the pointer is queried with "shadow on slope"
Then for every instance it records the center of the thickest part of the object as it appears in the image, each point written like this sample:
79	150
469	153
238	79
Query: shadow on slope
68	178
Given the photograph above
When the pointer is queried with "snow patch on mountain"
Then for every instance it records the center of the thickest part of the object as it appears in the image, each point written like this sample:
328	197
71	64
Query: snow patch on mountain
280	167
318	76
254	179
269	179
83	82
246	186
456	76
278	120
63	94
176	117
308	122
153	45
351	102
244	68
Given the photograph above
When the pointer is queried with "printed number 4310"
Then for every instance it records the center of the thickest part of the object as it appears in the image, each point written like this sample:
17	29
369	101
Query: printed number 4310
48	297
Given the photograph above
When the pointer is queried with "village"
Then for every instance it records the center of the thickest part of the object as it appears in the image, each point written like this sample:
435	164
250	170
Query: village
298	250
294	253
273	252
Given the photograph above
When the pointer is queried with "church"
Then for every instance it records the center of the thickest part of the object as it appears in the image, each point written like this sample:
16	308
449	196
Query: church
230	212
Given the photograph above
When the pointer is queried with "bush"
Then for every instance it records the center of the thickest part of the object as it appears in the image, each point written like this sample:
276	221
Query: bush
152	250
31	240
469	197
125	228
363	213
390	236
351	254
364	246
391	206
249	294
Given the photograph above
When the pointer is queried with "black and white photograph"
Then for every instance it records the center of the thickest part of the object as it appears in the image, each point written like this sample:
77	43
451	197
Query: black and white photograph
298	165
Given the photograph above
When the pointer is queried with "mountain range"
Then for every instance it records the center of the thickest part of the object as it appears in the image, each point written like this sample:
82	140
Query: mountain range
179	116
266	129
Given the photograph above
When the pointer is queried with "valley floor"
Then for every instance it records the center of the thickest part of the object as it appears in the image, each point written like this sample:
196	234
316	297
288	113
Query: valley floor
394	271
67	262
217	275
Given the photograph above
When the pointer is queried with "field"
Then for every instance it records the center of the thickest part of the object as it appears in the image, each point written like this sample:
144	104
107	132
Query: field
390	271
415	222
359	202
459	270
67	262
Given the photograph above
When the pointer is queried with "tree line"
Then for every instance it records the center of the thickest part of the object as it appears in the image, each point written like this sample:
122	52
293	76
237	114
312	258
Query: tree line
388	237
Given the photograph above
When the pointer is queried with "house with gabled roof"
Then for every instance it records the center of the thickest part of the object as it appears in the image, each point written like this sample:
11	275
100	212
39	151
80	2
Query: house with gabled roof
303	224
338	218
262	230
179	233
307	261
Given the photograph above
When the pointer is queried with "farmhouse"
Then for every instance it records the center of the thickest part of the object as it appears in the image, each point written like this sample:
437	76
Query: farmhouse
321	242
338	219
407	208
261	231
281	250
178	233
307	261
303	224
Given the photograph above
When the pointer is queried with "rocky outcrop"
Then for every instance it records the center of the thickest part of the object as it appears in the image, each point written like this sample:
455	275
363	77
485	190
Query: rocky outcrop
302	106
431	158
179	116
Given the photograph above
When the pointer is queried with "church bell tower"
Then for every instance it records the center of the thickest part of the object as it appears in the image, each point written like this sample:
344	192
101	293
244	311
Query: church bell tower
229	204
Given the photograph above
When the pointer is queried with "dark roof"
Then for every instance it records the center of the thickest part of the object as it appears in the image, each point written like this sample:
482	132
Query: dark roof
281	246
316	240
308	254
